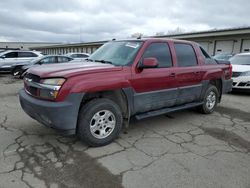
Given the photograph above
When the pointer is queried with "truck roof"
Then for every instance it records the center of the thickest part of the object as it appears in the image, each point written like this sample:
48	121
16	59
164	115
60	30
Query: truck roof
156	40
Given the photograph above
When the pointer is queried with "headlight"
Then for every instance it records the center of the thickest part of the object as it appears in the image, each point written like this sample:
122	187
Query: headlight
247	73
53	81
50	88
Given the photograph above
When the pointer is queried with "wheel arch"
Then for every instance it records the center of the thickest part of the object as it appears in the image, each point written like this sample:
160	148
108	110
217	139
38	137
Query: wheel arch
218	84
118	96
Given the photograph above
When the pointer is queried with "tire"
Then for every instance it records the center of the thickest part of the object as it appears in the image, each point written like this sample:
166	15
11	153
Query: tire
16	72
96	118
211	99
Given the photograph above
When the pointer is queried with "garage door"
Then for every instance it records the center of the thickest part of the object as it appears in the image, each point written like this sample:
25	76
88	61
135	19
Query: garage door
245	45
205	45
226	46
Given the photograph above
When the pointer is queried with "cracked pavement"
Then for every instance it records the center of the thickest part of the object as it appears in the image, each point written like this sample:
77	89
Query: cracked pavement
182	149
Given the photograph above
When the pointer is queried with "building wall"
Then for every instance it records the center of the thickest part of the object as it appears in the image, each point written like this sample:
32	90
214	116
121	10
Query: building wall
64	49
223	44
219	41
23	45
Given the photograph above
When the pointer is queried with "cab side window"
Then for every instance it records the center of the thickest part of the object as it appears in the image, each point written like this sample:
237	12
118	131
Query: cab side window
186	56
26	54
48	60
161	52
63	59
11	55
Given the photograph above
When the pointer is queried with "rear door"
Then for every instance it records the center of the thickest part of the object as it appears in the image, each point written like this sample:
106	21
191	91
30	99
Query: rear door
188	74
155	88
26	56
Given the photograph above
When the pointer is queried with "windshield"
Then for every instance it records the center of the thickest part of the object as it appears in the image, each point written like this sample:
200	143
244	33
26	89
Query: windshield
118	53
240	60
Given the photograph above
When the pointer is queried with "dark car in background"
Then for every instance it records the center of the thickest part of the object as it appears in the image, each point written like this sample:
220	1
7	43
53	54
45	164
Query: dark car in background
21	68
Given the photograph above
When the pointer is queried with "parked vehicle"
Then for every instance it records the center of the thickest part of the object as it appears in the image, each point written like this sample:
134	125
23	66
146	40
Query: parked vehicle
223	56
20	68
241	71
10	57
78	56
124	79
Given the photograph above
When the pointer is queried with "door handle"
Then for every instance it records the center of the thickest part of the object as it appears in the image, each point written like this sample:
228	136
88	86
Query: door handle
172	75
198	72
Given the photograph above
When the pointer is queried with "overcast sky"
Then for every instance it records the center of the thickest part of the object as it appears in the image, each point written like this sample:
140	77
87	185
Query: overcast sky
63	21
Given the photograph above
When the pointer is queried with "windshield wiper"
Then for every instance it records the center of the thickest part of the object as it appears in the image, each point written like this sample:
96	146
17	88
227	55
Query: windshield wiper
104	61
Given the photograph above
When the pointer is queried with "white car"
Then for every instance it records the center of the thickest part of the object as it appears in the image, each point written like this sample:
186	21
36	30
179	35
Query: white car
78	56
10	58
241	71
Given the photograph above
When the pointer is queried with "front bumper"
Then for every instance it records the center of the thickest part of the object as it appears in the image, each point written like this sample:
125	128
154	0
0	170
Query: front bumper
58	115
241	82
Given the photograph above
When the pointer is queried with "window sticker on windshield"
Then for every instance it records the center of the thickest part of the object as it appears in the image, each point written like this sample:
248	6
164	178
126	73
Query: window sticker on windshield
132	44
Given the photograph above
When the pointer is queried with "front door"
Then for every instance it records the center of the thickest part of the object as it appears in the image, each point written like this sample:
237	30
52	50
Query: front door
155	88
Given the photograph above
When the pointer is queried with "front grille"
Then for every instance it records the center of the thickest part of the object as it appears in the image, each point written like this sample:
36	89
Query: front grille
242	84
236	74
31	78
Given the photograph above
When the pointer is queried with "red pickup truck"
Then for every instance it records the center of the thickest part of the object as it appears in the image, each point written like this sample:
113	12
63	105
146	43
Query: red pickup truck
123	79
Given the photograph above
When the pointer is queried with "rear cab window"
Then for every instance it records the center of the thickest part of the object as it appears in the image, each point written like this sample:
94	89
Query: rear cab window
160	51
186	56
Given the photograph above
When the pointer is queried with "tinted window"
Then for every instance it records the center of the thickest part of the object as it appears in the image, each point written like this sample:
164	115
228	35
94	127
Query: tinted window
26	54
48	60
161	52
186	56
11	55
63	59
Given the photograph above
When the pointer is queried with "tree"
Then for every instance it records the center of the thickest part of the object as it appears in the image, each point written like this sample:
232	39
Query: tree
136	35
161	33
178	30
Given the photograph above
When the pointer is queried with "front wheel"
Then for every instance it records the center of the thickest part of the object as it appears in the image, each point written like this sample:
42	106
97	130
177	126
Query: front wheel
16	72
99	122
210	100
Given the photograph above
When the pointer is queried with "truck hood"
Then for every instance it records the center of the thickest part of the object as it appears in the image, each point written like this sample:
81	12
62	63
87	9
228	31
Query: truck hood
71	69
241	68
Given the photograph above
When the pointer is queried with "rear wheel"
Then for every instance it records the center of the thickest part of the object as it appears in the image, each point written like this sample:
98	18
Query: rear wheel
100	122
210	100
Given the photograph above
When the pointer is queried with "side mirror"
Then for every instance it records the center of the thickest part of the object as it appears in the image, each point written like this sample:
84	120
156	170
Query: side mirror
149	62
